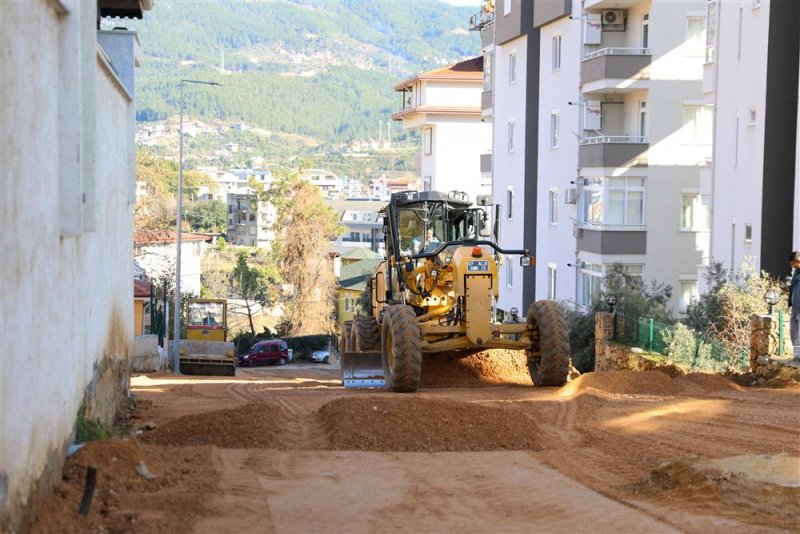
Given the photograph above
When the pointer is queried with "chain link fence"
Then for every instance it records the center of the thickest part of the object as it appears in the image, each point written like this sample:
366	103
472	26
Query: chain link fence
679	343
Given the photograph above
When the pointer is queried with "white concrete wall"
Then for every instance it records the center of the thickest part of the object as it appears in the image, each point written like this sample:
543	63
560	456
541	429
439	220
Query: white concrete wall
66	294
508	167
457	146
452	94
741	83
558	166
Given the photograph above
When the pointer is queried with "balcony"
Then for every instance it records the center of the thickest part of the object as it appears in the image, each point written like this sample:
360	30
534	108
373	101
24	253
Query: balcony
615	69
480	20
613	151
608	241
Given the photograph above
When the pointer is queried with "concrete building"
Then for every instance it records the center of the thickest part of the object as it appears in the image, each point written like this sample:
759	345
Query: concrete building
363	225
154	252
68	126
750	78
444	107
249	220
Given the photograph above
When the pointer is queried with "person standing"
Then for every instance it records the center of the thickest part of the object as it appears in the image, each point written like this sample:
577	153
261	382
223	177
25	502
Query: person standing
794	302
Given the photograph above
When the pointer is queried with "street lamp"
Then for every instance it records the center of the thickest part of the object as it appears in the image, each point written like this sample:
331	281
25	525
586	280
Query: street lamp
771	297
611	300
177	324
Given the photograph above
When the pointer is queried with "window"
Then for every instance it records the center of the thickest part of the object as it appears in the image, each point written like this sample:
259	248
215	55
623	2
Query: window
688	295
554	127
697	124
427	141
426	183
645	30
748	233
590	280
556	52
512	67
509	272
752	116
551	282
694	35
511	128
488	60
552	211
694	215
643	118
711	30
756	4
613	201
506	7
510	202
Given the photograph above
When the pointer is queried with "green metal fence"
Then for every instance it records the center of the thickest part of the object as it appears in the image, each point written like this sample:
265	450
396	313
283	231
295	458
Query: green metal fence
683	346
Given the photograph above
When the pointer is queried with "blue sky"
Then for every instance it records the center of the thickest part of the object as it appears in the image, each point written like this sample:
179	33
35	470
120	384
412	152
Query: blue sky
475	3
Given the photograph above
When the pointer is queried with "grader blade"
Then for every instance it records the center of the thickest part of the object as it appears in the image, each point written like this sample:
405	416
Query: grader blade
362	370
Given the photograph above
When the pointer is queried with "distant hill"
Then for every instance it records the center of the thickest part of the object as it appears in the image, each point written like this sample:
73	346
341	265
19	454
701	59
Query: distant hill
320	68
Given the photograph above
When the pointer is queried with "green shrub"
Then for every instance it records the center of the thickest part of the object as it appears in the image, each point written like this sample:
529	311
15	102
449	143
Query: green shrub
89	429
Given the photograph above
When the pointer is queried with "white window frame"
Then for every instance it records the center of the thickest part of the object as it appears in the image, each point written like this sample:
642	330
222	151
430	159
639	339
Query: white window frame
506	7
509	273
698	124
556	59
512	67
646	29
427	141
698	215
512	126
555	127
684	284
552	206
697	49
600	189
711	30
426	183
591	273
642	115
510	203
552	280
752	116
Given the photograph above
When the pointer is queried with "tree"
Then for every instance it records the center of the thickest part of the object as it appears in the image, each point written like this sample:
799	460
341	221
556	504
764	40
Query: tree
253	285
303	227
207	215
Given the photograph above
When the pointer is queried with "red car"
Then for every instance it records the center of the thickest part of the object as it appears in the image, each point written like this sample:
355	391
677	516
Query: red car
267	352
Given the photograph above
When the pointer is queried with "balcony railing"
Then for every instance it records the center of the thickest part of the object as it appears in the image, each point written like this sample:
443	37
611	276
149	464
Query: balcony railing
617	51
480	19
615	139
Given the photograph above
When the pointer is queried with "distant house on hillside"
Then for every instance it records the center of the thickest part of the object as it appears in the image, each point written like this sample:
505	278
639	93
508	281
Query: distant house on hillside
68	125
361	220
329	184
249	220
444	106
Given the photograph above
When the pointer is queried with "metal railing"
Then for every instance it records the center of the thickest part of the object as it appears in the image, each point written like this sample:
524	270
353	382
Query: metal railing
480	19
615	139
617	51
589	225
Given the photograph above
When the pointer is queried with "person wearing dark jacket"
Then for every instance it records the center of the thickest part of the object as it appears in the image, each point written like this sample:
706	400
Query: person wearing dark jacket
794	302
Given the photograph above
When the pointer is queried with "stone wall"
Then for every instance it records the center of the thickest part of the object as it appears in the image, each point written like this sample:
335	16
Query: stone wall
146	354
766	359
611	356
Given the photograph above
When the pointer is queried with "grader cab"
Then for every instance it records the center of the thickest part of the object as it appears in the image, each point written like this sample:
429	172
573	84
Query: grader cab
436	291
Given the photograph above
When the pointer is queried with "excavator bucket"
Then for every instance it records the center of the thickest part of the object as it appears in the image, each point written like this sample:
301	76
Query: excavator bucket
215	358
362	370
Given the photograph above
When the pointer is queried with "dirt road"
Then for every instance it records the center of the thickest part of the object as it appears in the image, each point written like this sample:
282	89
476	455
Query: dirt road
286	449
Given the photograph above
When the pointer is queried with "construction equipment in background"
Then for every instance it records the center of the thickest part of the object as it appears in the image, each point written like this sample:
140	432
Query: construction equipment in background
437	291
206	349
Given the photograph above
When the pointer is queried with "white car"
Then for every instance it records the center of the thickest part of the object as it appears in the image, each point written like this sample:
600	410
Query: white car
321	356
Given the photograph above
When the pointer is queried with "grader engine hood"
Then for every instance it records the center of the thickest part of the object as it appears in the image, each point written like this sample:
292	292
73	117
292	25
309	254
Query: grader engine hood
475	277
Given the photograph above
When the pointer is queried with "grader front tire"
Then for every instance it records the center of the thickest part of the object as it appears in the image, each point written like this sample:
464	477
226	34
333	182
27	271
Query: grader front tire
400	349
344	339
365	335
548	359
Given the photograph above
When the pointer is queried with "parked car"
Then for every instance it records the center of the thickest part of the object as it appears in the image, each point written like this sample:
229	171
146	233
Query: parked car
267	352
321	356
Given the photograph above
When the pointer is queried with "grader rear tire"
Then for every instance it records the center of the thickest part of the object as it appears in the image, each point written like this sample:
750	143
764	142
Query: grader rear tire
344	338
365	335
400	349
548	359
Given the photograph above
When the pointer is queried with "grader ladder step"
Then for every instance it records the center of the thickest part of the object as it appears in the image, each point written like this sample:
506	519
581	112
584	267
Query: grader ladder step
362	370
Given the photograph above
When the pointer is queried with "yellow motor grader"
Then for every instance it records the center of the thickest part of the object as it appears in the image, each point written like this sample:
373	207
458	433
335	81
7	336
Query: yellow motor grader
436	290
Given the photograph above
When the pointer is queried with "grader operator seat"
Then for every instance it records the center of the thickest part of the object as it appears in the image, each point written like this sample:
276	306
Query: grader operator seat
437	290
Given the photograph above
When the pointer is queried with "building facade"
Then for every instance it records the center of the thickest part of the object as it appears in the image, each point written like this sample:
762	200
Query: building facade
250	220
68	109
444	107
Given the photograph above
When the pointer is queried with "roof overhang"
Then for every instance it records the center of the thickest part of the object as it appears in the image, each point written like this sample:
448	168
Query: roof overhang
133	9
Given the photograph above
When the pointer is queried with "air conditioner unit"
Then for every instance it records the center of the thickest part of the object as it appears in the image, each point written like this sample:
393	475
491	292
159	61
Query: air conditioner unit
571	196
613	19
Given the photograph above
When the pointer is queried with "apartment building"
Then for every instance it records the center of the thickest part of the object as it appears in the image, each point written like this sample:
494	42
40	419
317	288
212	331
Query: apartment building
249	220
752	190
509	100
443	105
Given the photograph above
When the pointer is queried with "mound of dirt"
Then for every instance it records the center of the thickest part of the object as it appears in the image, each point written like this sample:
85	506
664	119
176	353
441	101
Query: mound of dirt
424	425
250	426
491	367
708	383
122	490
655	383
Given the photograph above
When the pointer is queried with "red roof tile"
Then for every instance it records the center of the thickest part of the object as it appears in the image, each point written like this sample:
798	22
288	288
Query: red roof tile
141	288
149	237
467	70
